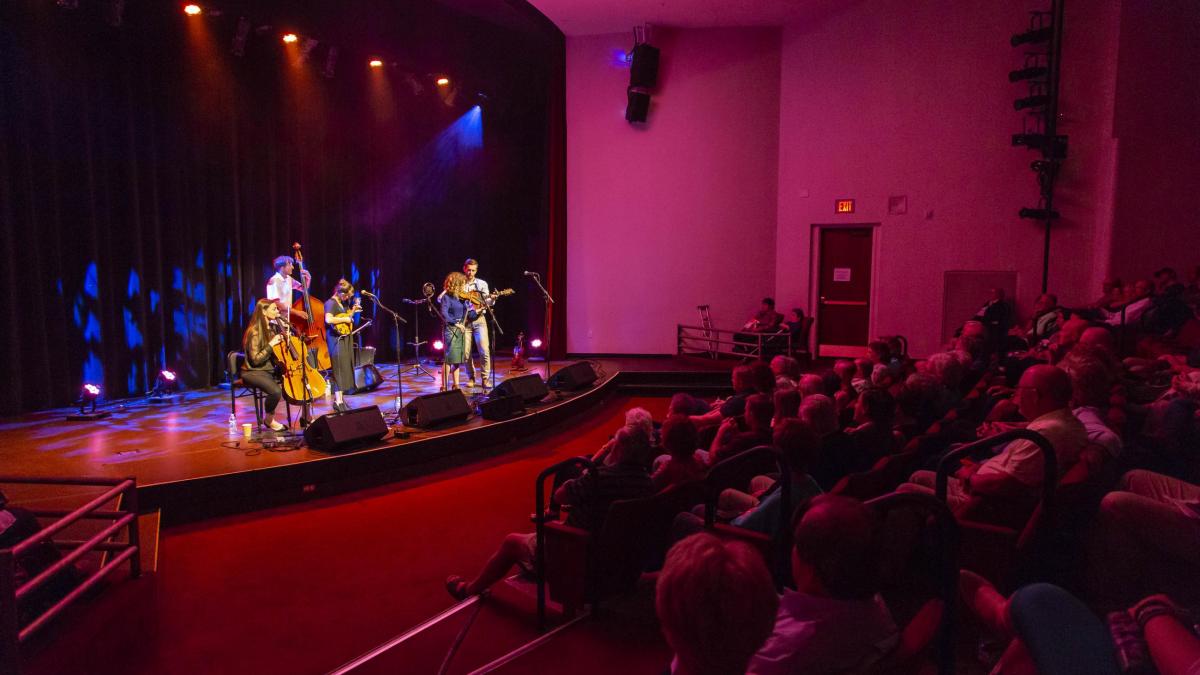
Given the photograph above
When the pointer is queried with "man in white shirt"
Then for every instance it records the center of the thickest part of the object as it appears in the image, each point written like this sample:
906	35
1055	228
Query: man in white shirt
478	334
281	285
1043	397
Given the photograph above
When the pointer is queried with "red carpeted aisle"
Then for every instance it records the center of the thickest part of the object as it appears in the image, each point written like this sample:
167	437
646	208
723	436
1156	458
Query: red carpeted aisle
305	588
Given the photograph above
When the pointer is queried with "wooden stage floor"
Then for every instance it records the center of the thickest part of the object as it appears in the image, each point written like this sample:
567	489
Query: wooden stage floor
184	458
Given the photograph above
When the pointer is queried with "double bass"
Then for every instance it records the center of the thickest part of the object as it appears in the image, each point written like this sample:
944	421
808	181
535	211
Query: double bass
311	329
302	383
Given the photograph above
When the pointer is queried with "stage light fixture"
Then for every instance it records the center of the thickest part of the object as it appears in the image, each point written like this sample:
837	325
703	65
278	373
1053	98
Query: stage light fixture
1030	73
330	62
289	38
165	384
443	81
88	395
1033	36
1035	101
192	10
1038	214
239	38
536	343
375	63
438	345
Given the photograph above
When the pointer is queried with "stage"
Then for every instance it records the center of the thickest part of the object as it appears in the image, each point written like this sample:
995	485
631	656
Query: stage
188	465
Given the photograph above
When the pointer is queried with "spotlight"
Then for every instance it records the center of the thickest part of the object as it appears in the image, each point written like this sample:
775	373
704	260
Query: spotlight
375	63
438	345
330	62
88	394
1032	36
1054	147
192	10
290	37
1030	73
536	343
165	384
443	81
1035	101
1038	214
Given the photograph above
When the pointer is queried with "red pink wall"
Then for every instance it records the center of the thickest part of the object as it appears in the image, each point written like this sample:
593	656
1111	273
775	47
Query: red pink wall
876	99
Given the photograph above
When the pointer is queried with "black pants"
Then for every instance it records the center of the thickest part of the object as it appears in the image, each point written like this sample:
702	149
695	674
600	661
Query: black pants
265	380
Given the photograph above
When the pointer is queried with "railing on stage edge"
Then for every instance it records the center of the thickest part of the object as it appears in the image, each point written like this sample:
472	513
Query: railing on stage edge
124	515
698	340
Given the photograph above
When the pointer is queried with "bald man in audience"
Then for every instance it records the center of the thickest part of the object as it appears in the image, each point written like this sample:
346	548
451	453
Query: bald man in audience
1043	397
834	622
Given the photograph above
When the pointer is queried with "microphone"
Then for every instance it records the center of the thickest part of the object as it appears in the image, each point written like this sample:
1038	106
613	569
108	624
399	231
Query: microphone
530	274
367	293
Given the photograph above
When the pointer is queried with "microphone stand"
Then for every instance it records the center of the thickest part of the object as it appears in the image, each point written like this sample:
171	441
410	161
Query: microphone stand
396	321
495	321
537	279
416	368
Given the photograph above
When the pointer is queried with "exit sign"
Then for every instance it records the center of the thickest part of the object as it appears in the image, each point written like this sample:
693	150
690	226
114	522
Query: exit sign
843	206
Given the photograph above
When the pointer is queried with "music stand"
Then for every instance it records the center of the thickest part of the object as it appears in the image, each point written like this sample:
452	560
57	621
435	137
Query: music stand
416	368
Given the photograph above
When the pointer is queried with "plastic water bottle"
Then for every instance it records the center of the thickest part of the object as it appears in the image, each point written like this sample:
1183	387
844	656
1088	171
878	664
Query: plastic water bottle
233	427
397	404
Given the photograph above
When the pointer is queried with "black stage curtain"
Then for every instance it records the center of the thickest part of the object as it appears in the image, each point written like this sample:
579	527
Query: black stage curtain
148	178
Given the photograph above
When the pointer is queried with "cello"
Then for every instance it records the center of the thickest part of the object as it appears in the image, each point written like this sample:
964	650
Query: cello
302	384
313	328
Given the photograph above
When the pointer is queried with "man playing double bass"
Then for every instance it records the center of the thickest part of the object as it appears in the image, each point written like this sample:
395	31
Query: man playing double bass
340	314
281	285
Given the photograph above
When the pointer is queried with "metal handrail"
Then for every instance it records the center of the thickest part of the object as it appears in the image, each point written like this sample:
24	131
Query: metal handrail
1049	463
948	542
539	557
711	338
124	516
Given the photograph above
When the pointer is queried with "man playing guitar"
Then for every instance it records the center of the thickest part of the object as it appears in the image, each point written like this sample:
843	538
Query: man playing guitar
281	285
478	333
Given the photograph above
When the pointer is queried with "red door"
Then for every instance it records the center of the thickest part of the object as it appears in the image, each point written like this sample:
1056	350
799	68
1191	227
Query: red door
844	291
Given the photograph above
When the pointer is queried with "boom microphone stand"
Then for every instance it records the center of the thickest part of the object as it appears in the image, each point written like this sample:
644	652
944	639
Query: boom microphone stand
491	315
537	279
396	321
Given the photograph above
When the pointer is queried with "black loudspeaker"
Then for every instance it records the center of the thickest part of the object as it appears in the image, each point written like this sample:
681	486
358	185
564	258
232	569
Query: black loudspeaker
638	106
339	431
528	388
501	407
440	408
643	72
575	376
366	378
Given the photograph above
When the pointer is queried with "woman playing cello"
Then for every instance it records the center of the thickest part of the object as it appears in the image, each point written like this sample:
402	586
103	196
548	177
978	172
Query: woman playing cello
258	371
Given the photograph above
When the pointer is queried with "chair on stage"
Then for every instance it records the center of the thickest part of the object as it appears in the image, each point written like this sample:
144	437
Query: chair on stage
238	388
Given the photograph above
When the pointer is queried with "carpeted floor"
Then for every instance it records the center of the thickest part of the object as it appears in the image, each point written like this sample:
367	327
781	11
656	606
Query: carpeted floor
305	588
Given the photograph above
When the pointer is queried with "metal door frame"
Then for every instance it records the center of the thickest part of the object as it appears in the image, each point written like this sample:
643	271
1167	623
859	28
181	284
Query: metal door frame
814	285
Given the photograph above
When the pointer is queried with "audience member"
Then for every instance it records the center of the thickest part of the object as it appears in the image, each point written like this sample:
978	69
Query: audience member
786	371
682	463
738	434
743	387
787	405
800	446
834	622
588	497
17	525
1135	306
872	438
1044	321
1091	384
1043	397
811	383
716	603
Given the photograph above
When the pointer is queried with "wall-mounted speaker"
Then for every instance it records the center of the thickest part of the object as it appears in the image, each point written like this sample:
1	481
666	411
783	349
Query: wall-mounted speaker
341	431
643	72
637	106
433	410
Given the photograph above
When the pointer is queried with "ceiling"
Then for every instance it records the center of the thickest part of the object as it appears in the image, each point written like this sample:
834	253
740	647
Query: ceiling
594	17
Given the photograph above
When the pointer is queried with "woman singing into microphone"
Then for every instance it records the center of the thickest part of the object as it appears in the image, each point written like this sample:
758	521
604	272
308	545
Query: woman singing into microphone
258	371
457	313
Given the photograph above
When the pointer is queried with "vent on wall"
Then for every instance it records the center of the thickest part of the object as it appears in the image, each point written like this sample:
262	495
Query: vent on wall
965	292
